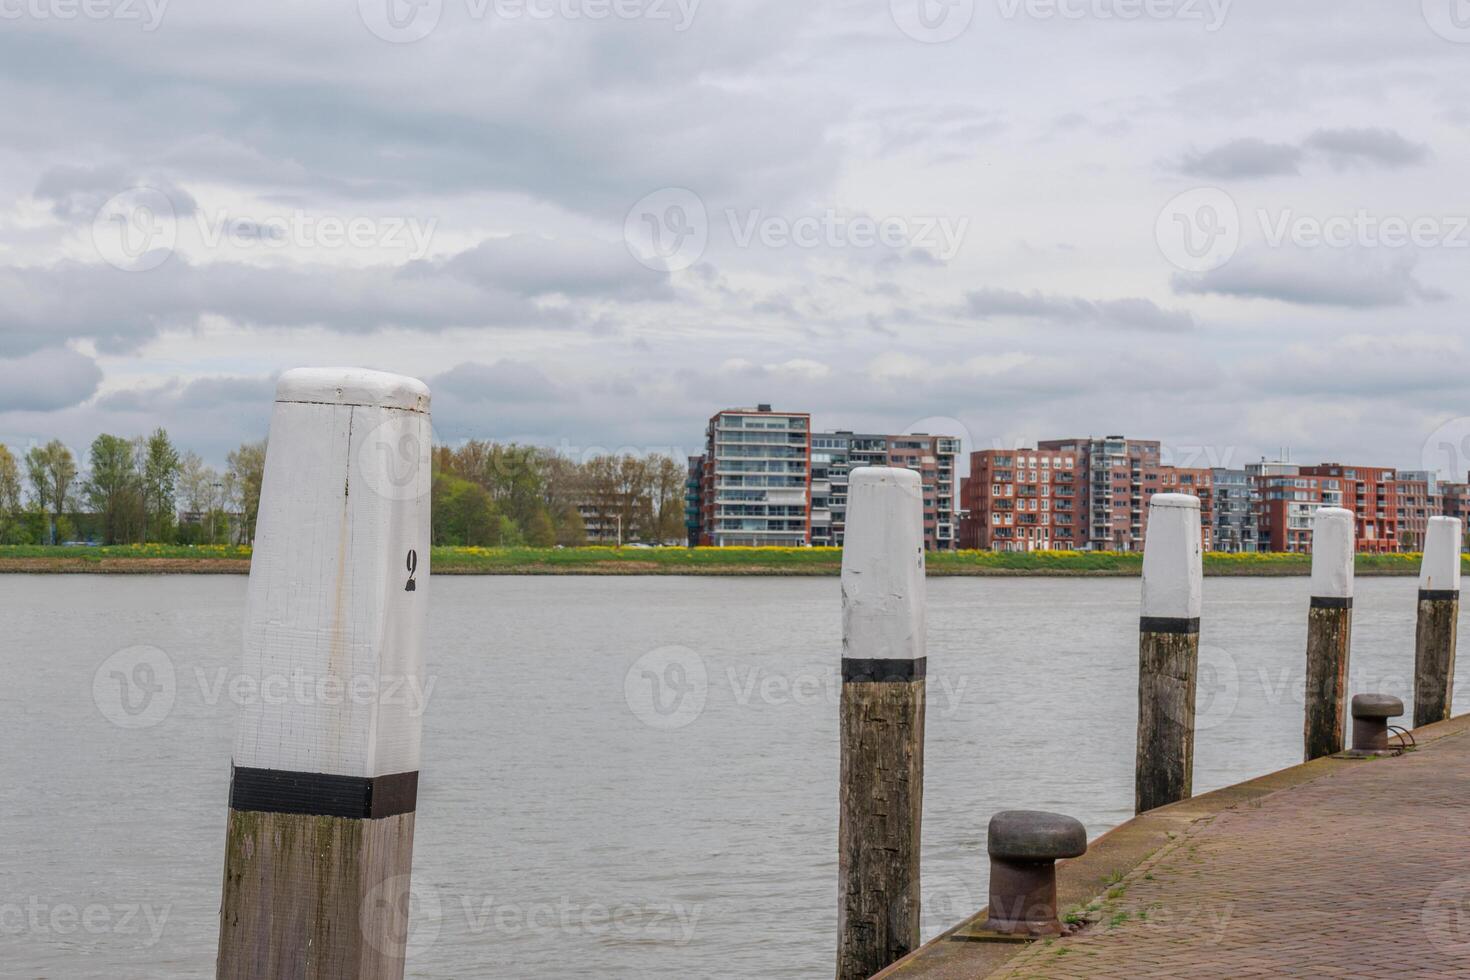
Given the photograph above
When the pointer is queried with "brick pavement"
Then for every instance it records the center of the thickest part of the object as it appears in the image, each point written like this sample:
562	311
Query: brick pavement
1361	873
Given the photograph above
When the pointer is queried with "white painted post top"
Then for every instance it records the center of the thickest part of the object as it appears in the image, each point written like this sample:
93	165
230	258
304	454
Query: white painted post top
1333	547
334	614
883	565
1440	568
1173	569
353	386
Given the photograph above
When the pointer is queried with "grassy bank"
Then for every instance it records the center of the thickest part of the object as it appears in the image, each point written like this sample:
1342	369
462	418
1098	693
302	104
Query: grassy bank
227	559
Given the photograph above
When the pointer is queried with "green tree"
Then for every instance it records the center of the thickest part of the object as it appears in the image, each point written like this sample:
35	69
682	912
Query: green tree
9	496
245	473
51	470
540	531
200	490
160	475
114	488
463	513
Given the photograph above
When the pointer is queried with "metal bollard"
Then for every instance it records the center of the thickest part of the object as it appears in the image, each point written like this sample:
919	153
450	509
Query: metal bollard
1024	847
1370	721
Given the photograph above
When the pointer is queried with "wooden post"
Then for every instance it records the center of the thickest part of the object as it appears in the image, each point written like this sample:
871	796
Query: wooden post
1168	651
882	721
1329	632
325	774
1439	613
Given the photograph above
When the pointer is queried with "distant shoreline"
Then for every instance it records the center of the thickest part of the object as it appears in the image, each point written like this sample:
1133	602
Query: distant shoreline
734	562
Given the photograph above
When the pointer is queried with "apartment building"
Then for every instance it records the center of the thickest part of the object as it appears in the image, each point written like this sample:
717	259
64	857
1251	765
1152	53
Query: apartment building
1113	495
835	454
755	479
1418	500
1284	501
1183	479
1023	500
694	500
1372	494
1231	494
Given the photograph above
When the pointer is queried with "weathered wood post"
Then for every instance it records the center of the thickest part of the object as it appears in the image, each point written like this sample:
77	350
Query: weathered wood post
325	775
1168	651
882	721
1329	632
1439	612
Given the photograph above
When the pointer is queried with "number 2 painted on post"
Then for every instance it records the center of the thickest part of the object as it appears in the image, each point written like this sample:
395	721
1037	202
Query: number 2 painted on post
413	568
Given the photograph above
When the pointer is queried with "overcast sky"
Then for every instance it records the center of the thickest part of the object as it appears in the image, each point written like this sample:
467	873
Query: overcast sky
591	223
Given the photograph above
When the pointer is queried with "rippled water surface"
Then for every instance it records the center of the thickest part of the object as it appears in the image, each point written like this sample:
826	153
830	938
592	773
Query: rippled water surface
623	777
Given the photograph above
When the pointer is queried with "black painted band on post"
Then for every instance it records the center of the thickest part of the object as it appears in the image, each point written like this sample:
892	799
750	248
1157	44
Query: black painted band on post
1438	595
1168	624
861	671
1332	602
321	794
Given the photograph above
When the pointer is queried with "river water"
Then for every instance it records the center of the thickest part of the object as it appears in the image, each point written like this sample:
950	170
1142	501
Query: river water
622	777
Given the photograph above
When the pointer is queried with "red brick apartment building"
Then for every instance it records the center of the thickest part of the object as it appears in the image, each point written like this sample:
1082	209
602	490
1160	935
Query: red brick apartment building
1023	500
1372	493
1073	494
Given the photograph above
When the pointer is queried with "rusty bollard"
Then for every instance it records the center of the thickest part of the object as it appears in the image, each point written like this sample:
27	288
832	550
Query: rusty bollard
1024	846
1370	721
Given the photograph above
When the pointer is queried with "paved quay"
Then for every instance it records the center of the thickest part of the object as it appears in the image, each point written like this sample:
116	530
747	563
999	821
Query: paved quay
1336	868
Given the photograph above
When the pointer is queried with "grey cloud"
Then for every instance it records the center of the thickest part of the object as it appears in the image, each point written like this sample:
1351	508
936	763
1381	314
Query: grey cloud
47	380
1320	277
1356	147
76	194
495	284
1243	158
1132	313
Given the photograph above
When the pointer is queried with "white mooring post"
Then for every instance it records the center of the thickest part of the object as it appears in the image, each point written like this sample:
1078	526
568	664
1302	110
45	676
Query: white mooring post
325	773
1168	651
1329	632
881	786
1439	612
